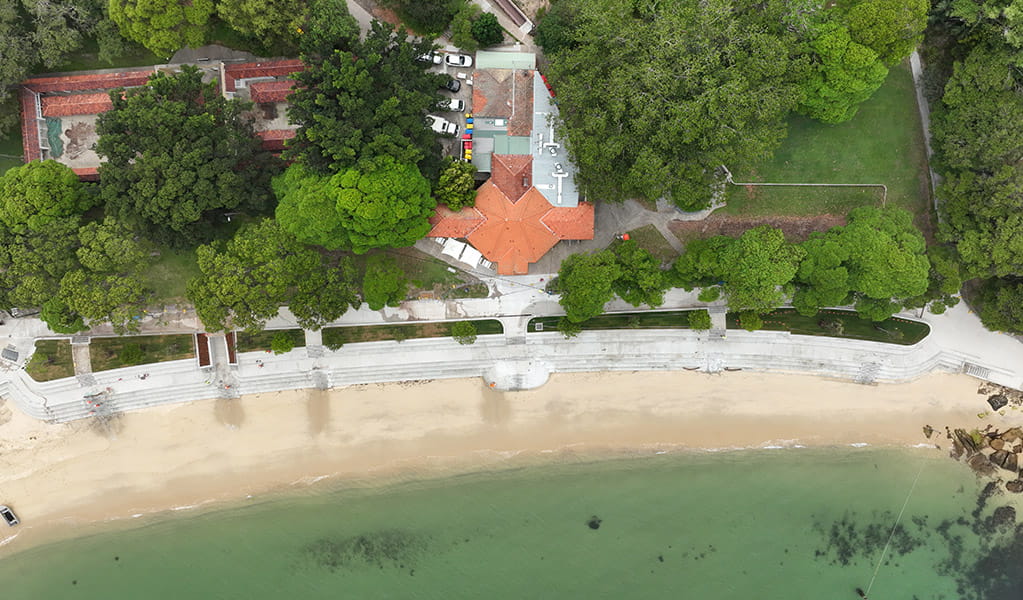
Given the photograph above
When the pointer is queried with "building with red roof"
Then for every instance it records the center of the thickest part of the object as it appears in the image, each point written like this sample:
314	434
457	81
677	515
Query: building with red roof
530	202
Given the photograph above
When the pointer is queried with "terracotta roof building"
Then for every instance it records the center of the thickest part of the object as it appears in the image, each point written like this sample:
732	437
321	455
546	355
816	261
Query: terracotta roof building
530	202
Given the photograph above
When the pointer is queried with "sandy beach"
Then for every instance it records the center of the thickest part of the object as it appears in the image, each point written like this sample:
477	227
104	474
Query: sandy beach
62	477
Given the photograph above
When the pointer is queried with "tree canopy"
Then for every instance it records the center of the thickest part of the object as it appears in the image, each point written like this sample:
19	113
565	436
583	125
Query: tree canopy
756	267
163	26
354	106
684	87
178	156
275	23
246	280
384	283
641	279
386	206
456	186
38	193
586	284
844	75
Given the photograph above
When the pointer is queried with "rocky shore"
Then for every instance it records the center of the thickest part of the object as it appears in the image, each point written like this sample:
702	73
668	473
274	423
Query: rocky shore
990	452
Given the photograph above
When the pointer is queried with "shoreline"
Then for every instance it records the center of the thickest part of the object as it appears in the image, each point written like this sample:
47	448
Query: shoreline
72	479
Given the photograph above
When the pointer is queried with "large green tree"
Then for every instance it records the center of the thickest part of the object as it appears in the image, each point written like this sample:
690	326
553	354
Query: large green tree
586	283
642	281
1001	304
179	156
386	206
32	264
891	28
246	280
163	26
845	74
457	184
275	23
38	193
354	106
384	283
683	88
757	268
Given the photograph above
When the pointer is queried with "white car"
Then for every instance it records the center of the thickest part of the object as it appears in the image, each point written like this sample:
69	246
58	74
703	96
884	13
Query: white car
441	125
458	60
454	105
430	57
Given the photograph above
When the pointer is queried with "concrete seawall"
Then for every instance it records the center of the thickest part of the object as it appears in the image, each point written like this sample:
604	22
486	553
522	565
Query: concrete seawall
504	363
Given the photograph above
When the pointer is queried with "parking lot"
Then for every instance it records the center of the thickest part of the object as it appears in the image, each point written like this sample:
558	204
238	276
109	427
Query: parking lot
452	146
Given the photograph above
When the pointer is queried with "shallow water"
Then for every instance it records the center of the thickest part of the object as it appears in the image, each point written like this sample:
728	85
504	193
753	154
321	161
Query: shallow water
779	524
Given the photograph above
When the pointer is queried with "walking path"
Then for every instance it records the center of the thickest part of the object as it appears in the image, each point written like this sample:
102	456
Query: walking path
517	359
925	119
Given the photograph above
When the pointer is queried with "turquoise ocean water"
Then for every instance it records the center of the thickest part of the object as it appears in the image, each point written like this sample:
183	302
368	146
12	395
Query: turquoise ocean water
784	524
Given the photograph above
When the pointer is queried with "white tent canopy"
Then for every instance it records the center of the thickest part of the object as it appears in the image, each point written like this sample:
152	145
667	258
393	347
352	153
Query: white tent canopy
471	256
453	248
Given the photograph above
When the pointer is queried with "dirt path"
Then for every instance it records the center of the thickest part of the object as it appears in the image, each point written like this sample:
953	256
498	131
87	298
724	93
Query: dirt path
796	229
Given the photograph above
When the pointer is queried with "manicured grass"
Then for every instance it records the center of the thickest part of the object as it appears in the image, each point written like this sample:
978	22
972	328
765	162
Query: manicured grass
670	319
429	274
335	337
87	59
852	326
106	353
648	238
52	360
883	144
170	273
251	342
11	150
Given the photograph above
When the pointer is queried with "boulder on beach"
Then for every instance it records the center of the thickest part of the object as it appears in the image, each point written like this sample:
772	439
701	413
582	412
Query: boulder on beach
1013	434
1015	486
999	458
997	444
997	401
980	465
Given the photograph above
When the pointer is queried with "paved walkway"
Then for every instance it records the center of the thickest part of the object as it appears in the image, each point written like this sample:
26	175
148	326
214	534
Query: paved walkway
925	120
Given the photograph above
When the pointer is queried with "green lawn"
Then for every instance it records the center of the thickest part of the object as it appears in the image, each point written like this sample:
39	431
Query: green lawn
11	150
252	342
883	144
669	319
170	273
842	324
335	337
87	59
429	274
52	360
106	353
649	238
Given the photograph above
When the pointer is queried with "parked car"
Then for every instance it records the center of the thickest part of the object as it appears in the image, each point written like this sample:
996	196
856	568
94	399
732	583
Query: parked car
8	516
454	105
458	60
441	125
430	57
453	85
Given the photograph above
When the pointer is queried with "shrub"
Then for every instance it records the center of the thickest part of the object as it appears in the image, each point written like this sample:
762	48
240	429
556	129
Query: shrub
131	354
709	294
487	31
464	332
699	319
750	320
568	328
281	343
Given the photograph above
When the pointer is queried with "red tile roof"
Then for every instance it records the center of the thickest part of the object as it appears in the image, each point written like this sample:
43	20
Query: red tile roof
87	173
93	81
277	90
505	93
273	139
29	126
512	174
571	223
76	104
273	68
448	223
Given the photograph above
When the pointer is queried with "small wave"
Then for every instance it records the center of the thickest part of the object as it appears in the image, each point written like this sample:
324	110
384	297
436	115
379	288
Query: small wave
859	444
924	445
185	507
137	515
7	540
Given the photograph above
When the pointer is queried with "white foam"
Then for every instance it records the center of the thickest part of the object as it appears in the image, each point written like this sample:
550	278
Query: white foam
859	444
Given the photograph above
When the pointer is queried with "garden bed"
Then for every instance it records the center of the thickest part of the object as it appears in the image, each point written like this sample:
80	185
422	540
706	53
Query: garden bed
125	351
335	337
845	324
252	342
669	319
51	360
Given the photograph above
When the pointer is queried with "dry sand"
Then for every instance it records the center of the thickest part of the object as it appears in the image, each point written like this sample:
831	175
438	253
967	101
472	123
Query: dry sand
61	477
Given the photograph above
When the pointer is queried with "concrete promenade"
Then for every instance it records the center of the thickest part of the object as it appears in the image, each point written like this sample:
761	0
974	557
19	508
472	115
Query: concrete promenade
514	360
